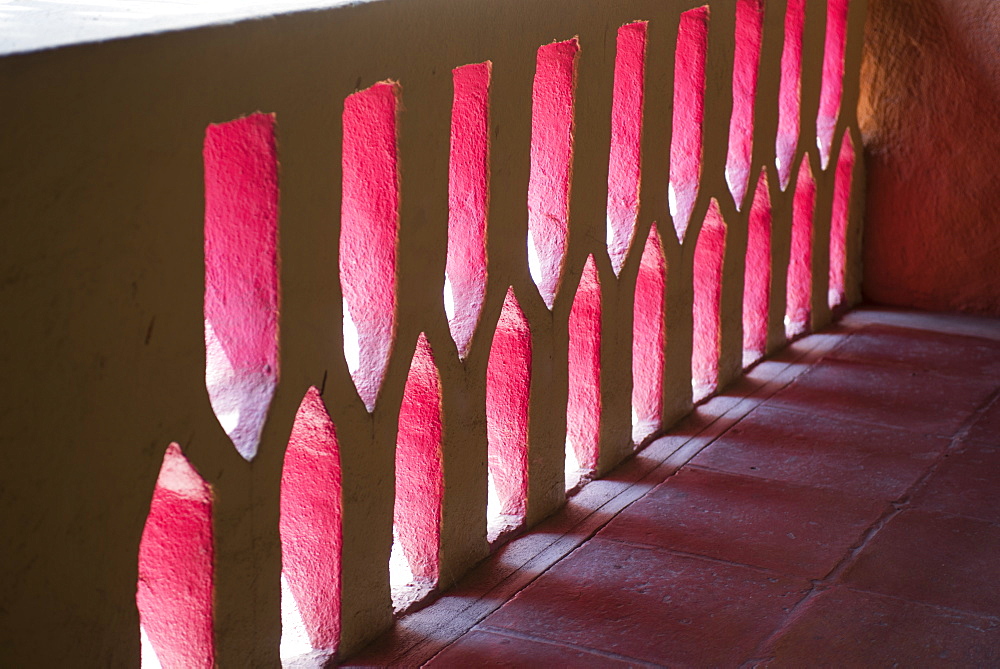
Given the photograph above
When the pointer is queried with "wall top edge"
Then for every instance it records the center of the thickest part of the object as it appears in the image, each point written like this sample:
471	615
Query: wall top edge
27	25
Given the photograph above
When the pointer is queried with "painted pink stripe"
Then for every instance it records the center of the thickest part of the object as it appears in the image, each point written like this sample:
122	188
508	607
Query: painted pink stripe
799	302
241	275
648	333
689	114
746	62
583	415
310	525
552	104
626	139
709	254
508	390
419	473
833	76
176	567
369	229
468	199
789	93
757	274
839	221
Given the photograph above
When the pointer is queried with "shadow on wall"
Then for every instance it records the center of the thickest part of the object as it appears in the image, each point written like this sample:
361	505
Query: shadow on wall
930	90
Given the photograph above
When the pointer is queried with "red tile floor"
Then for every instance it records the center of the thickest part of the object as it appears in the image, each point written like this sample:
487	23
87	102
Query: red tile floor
837	507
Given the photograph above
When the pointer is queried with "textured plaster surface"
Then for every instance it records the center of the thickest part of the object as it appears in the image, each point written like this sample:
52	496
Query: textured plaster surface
757	277
241	275
709	255
800	269
311	522
176	579
626	141
689	116
931	90
468	201
508	394
648	332
419	472
746	66
583	408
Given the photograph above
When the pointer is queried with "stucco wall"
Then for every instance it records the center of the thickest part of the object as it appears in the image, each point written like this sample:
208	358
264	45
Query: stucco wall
104	273
928	114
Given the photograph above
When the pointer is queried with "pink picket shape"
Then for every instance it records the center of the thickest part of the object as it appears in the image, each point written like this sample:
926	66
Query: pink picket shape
689	115
649	334
833	76
176	567
746	63
583	411
709	254
419	470
838	222
789	95
241	275
552	103
799	303
757	274
310	525
369	224
468	201
508	388
626	140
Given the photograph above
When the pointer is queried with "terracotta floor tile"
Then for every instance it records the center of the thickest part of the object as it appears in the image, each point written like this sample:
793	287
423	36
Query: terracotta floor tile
652	605
908	398
788	528
963	325
486	649
935	558
706	563
968	357
967	484
845	628
865	460
986	428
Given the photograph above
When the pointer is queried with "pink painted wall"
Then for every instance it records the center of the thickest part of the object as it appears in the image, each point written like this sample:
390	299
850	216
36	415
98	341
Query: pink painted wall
928	114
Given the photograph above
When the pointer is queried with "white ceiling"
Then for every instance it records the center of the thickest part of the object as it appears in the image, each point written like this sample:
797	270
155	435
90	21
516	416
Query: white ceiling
30	25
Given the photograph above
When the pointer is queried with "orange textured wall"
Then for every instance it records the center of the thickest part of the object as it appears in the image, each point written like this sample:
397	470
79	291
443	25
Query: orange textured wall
930	117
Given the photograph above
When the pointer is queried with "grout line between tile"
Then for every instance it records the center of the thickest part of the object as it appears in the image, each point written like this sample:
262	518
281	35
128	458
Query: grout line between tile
437	637
839	417
939	607
698	556
514	634
762	650
896	508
